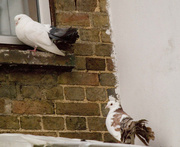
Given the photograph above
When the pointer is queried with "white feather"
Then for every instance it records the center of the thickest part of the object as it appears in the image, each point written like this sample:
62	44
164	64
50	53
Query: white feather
35	34
114	130
110	128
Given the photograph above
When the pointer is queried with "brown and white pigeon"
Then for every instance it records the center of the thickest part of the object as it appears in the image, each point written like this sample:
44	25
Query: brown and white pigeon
44	36
122	127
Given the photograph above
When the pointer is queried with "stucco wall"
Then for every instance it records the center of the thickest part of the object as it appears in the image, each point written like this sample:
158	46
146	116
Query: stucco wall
146	35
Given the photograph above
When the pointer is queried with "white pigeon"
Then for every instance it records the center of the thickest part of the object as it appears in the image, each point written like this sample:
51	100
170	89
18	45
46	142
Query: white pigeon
40	35
123	128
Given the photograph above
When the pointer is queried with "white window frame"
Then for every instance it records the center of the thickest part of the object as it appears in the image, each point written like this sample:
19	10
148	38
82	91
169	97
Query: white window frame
44	13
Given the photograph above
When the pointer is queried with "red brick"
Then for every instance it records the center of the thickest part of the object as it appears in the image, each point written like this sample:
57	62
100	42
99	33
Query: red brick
106	38
86	5
109	138
82	135
65	5
83	109
76	123
90	35
80	63
78	78
8	91
83	49
97	124
3	77
110	65
103	50
96	94
74	93
53	123
112	92
33	78
9	122
54	134
104	110
43	133
30	122
32	107
95	64
73	19
107	79
103	5
2	105
22	77
33	92
100	21
55	93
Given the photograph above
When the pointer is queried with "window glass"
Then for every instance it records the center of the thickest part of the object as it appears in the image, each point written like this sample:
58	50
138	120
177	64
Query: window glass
10	8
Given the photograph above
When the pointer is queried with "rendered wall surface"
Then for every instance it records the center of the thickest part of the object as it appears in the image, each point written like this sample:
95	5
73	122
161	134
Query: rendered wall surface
146	35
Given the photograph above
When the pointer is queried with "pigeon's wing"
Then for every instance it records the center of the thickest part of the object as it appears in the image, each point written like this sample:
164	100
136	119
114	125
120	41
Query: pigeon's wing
37	33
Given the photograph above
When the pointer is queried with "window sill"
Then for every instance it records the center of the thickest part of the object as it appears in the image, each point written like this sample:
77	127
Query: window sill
35	60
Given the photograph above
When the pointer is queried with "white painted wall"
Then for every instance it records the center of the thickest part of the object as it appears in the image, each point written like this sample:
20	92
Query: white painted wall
146	34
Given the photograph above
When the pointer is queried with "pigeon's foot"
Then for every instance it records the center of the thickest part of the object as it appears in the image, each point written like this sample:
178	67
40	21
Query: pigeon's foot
34	50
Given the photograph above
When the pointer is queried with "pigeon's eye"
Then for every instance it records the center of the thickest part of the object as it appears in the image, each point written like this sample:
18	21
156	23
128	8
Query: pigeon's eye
111	104
19	18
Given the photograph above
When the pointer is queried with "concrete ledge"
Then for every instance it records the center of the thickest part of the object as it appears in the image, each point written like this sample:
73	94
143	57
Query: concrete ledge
35	59
22	140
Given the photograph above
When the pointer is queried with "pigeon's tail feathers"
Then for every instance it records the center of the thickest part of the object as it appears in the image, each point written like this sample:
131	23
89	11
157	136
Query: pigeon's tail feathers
145	134
71	35
53	49
67	35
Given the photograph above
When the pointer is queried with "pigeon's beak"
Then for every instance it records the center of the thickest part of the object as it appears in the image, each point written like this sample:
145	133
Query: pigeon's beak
106	107
16	22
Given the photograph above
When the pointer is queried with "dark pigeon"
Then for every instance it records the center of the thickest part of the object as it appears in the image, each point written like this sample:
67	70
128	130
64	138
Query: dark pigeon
66	35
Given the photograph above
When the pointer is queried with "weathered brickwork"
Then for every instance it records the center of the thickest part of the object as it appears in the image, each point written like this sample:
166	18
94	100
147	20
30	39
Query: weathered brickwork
65	103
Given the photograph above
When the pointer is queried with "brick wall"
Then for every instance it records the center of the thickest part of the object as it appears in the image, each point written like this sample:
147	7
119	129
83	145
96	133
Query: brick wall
67	104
